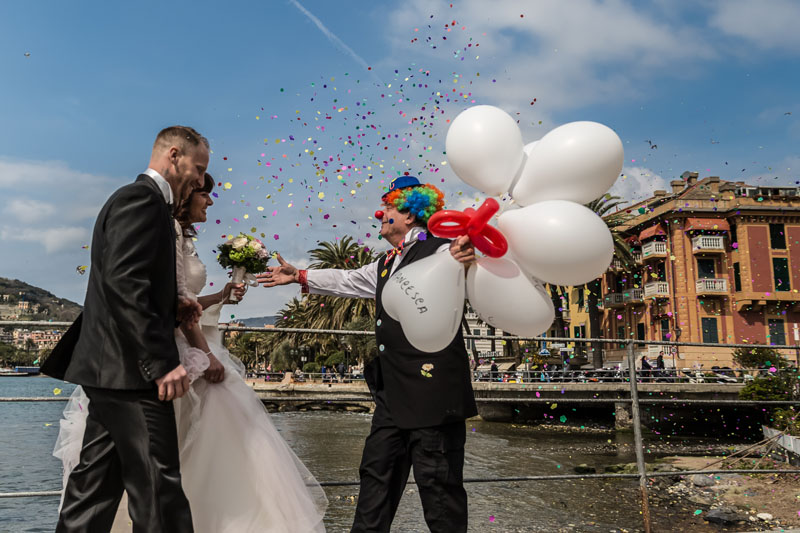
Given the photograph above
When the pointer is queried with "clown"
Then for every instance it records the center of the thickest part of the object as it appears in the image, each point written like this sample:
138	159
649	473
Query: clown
421	399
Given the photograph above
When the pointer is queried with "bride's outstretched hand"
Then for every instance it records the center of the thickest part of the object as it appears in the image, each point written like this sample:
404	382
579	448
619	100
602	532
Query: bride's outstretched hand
215	371
283	274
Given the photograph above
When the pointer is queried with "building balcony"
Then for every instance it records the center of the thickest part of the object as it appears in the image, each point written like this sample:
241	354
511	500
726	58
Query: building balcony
656	289
637	256
708	243
565	314
654	249
633	296
710	286
616	264
613	299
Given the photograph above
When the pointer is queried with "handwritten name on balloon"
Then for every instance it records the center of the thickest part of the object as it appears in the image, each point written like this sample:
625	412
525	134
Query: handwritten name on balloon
407	287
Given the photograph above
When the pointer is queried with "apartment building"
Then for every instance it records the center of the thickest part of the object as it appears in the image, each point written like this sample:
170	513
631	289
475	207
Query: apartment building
714	262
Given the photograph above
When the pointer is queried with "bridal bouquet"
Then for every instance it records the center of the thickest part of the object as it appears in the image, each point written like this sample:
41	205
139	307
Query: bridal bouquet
246	255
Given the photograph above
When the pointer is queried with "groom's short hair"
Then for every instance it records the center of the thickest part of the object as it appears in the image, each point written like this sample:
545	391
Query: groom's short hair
181	136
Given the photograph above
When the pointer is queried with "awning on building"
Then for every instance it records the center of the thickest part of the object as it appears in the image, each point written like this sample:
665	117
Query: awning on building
652	231
716	224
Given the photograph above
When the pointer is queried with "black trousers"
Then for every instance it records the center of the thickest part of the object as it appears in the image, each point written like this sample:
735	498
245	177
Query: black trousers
437	456
130	444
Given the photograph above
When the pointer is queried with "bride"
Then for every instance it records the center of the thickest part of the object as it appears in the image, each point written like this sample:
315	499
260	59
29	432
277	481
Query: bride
238	473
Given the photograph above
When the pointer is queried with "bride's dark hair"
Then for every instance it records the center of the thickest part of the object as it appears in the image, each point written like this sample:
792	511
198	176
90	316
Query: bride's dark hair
182	216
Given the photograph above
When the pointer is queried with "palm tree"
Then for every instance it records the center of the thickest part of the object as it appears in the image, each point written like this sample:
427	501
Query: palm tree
325	312
605	207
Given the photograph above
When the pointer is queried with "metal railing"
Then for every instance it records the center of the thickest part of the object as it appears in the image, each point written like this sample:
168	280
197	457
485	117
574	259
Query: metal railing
708	243
656	289
635	402
711	286
654	249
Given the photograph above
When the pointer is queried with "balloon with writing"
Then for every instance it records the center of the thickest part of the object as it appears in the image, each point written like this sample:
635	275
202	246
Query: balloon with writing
427	298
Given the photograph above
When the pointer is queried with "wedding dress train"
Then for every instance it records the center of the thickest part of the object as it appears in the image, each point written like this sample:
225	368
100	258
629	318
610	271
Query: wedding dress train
238	473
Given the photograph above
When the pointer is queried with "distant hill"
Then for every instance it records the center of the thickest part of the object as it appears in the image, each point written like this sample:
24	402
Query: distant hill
27	302
257	322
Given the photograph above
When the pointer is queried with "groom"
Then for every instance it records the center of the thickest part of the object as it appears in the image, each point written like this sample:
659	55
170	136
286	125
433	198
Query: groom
421	399
123	351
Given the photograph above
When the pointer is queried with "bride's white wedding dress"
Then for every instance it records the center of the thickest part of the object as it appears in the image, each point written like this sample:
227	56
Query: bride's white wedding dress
238	473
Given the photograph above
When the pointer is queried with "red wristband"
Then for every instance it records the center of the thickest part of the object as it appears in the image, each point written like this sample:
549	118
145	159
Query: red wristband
302	279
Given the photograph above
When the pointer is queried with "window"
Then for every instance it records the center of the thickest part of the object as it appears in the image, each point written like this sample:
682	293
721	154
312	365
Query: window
621	335
780	267
705	269
640	332
576	332
491	331
665	329
777	334
476	332
737	278
581	303
661	272
734	237
777	239
710	330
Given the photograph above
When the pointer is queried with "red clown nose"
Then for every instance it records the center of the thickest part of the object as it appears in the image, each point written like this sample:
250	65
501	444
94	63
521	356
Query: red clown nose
379	215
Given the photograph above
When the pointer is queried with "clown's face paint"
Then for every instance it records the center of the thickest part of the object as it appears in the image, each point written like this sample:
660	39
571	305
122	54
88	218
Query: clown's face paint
394	225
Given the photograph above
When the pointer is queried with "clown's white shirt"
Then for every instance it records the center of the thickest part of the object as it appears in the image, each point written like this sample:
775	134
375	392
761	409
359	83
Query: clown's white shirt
360	282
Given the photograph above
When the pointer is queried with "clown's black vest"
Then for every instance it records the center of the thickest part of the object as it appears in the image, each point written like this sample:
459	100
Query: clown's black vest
417	395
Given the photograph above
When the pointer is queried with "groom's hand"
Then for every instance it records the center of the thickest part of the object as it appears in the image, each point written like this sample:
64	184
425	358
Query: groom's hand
279	275
173	384
189	311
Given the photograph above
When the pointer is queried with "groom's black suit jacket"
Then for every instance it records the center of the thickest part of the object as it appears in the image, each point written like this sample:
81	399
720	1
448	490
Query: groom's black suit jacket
125	338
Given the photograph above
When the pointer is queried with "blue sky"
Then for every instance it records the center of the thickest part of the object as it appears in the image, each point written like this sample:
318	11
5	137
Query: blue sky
286	90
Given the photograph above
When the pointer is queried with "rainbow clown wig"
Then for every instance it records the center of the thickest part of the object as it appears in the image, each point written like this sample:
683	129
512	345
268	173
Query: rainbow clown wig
408	194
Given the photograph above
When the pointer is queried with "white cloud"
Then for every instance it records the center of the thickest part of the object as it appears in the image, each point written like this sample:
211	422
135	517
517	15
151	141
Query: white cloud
50	204
768	24
53	239
565	54
26	210
638	183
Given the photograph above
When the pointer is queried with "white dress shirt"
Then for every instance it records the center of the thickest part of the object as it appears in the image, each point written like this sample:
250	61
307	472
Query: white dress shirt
165	187
360	282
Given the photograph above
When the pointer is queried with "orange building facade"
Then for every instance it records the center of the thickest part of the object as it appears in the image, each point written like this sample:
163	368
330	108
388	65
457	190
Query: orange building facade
715	262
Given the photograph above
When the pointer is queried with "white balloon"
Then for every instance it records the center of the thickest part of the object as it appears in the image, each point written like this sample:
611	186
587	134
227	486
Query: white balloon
507	298
578	161
427	298
558	242
484	147
527	149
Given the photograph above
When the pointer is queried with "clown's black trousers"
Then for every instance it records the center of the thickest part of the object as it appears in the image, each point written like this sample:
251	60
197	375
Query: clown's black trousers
437	456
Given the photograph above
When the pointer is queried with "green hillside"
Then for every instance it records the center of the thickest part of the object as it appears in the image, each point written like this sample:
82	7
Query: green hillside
43	305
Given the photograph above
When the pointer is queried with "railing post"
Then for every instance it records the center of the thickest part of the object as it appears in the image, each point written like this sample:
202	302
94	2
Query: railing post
637	436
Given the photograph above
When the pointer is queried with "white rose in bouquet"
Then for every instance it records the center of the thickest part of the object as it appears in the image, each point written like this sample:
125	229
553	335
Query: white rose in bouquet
239	243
